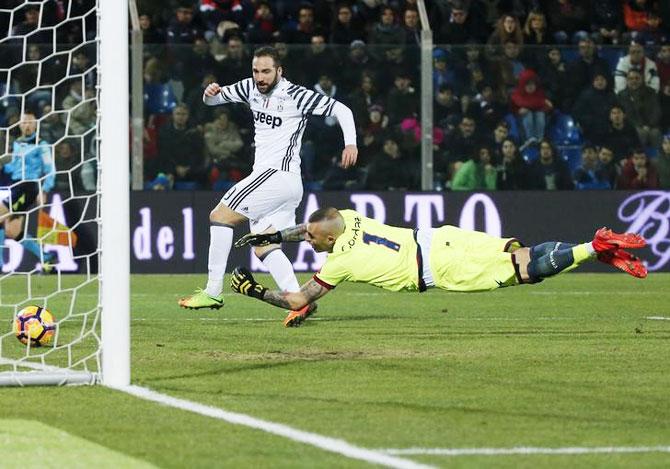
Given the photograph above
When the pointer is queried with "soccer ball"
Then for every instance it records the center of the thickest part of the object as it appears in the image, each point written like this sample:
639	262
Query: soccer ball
35	324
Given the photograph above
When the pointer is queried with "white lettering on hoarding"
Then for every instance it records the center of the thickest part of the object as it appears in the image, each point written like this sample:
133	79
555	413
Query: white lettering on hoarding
492	223
648	213
424	205
377	206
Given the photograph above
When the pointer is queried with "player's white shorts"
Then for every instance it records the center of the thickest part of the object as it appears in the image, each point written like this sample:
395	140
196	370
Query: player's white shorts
267	197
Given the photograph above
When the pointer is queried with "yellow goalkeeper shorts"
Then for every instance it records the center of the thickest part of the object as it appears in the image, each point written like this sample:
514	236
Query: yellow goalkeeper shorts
468	261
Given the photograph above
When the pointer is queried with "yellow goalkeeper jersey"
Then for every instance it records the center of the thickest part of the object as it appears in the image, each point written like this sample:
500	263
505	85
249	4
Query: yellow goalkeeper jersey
374	253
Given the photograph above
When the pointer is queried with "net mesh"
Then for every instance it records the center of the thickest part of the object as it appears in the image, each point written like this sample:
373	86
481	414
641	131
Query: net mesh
48	149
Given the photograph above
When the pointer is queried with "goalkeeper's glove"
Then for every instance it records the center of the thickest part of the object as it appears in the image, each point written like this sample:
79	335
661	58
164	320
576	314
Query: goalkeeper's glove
243	282
261	239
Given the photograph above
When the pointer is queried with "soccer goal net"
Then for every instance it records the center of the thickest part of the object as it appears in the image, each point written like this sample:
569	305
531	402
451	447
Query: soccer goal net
51	185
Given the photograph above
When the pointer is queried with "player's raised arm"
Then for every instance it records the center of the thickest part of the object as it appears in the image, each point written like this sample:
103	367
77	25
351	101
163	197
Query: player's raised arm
236	93
291	234
243	282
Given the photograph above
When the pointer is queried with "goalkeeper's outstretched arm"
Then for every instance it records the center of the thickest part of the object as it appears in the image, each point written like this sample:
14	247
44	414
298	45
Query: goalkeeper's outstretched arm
242	281
292	234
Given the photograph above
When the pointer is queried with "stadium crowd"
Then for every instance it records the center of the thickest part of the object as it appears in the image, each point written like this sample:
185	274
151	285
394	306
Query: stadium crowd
528	94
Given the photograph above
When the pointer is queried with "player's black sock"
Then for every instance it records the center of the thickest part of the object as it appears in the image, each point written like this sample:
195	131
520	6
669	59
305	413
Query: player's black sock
553	262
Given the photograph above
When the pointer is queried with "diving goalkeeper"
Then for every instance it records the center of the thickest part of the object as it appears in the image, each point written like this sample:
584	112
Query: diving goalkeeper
361	249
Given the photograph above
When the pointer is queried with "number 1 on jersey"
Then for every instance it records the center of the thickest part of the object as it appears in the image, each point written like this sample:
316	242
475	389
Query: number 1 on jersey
372	239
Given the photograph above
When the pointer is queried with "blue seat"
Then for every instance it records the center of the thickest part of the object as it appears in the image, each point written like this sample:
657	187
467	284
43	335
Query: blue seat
159	98
513	126
569	54
611	55
222	185
572	154
564	130
531	153
186	186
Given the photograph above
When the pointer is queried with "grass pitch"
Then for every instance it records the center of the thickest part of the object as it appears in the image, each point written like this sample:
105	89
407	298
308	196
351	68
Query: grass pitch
571	362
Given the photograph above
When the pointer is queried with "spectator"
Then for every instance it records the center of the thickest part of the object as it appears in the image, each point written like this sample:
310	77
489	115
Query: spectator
153	38
549	172
447	108
606	21
365	95
507	68
386	31
529	102
651	34
345	30
389	170
582	70
301	32
588	175
535	29
592	107
635	14
263	28
199	60
412	27
478	173
374	131
70	178
554	76
223	141
642	108
498	136
235	65
461	27
608	169
52	129
507	29
201	114
402	101
487	107
663	163
356	60
620	136
461	143
636	59
82	116
182	29
443	73
638	172
663	65
569	20
317	59
513	170
180	148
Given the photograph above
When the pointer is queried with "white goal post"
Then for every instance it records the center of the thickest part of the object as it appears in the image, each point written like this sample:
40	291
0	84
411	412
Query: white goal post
92	306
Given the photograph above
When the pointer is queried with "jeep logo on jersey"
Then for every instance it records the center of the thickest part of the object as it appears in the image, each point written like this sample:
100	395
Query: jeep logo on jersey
263	118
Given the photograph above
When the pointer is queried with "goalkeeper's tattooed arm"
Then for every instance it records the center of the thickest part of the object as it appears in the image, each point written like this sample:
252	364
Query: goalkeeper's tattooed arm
294	233
309	293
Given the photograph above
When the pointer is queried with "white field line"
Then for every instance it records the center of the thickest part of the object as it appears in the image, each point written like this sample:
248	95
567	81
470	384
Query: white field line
658	318
524	450
323	442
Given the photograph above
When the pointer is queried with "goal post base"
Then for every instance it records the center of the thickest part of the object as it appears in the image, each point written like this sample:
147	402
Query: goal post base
48	378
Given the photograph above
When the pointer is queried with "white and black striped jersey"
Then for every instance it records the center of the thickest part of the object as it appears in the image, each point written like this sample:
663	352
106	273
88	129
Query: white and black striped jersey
280	118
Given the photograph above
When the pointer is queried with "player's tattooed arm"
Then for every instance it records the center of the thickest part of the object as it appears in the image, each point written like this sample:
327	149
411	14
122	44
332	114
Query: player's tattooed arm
309	293
294	233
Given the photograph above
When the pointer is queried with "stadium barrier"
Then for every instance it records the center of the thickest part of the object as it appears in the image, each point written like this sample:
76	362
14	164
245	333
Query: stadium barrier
170	230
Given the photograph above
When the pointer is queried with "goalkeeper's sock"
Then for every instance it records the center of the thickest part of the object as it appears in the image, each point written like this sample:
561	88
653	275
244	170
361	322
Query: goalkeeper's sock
2	247
557	261
32	246
281	270
220	242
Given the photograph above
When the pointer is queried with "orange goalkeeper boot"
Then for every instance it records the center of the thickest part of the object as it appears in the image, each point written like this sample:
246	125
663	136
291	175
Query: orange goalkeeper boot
607	240
295	318
624	261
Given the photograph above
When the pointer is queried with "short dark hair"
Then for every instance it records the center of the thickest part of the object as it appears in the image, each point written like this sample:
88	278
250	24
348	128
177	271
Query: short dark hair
324	213
268	51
